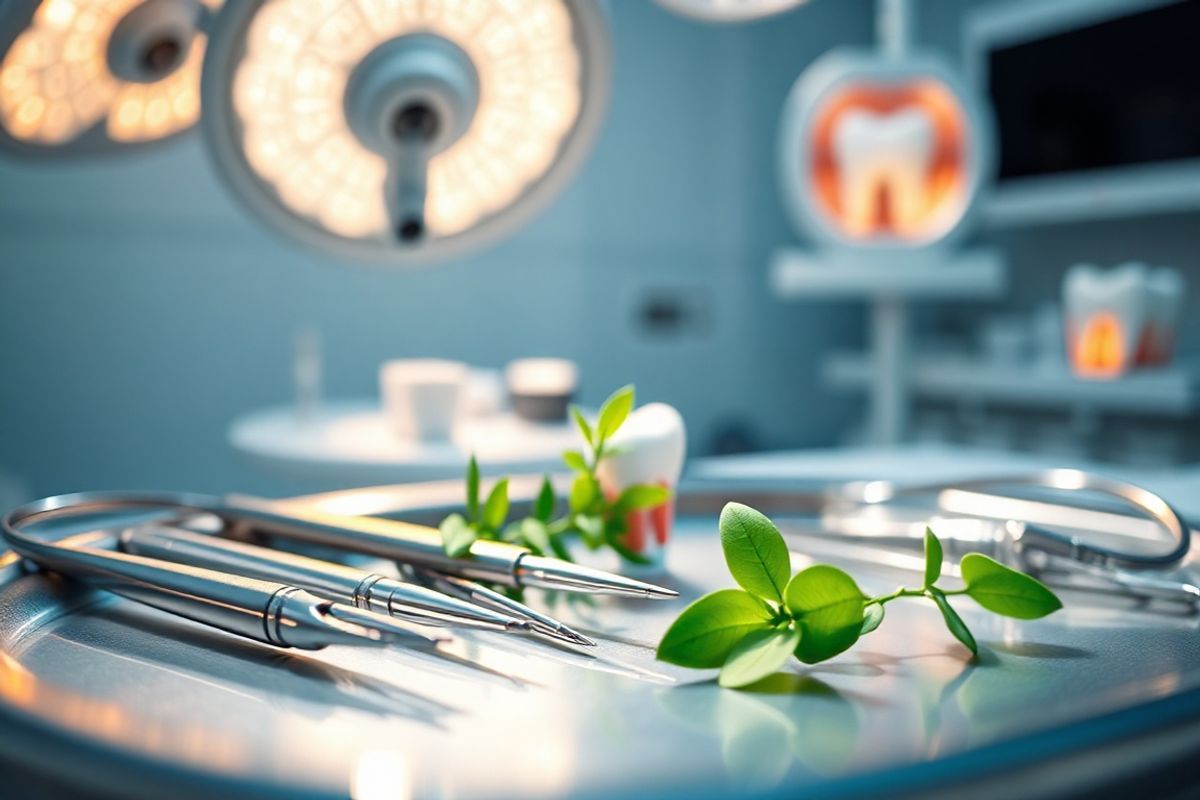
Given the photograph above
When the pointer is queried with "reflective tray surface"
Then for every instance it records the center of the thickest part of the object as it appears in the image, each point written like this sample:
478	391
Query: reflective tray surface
105	694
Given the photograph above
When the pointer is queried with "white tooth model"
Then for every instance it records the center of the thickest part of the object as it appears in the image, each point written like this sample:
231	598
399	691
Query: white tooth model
648	449
888	156
1166	290
1121	318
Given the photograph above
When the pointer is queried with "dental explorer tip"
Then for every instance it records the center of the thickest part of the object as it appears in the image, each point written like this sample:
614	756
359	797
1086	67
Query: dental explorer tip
563	633
553	573
367	627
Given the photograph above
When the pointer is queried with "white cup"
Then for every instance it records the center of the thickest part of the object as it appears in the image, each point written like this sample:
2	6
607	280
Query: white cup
422	396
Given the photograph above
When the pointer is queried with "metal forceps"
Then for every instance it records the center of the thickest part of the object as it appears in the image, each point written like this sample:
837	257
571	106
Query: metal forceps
1027	539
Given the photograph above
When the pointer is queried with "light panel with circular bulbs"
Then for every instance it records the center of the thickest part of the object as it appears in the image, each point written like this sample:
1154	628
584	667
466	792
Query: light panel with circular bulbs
401	131
96	76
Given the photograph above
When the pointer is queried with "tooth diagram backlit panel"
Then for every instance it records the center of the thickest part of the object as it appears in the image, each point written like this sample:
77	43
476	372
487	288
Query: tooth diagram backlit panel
888	160
288	96
56	85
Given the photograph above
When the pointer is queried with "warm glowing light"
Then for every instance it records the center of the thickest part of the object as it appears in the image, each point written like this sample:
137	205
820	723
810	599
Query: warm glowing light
288	93
890	160
1099	347
55	82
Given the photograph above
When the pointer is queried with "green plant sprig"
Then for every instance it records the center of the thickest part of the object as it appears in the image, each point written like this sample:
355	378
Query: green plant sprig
820	611
590	514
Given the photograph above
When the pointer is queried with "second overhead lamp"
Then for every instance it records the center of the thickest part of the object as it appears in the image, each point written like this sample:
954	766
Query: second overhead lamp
99	76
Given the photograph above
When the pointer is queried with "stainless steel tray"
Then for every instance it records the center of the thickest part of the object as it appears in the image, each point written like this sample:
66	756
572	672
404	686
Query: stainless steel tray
102	695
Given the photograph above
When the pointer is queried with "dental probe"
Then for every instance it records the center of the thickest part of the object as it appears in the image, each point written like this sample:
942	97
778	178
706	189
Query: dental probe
364	589
478	593
268	612
421	546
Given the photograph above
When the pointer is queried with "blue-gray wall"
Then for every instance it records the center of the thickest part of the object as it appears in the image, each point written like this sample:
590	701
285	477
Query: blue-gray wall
141	309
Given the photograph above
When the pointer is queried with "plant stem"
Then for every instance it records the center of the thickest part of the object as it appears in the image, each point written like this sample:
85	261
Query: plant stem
901	592
906	592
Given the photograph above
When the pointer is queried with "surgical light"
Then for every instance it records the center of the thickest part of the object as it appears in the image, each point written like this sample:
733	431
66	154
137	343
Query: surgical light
402	131
96	76
729	10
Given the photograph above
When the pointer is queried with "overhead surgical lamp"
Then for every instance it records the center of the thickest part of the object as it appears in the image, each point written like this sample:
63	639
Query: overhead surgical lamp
403	132
99	76
729	10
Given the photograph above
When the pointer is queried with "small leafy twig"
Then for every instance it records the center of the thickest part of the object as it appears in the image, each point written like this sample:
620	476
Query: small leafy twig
597	519
820	611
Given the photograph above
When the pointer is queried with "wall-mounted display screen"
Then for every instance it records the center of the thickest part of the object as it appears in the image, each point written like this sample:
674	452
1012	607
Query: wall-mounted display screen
1121	92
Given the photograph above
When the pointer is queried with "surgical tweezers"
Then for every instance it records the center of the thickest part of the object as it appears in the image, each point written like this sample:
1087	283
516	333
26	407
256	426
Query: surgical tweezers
363	588
274	613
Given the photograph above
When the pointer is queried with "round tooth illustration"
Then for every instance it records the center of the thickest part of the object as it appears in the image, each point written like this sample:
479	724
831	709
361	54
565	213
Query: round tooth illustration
648	449
884	162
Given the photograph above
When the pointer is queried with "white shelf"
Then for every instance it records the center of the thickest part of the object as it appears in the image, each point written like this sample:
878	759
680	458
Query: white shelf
978	274
1173	391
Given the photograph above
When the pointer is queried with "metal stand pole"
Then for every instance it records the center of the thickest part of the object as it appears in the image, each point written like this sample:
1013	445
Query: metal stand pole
891	345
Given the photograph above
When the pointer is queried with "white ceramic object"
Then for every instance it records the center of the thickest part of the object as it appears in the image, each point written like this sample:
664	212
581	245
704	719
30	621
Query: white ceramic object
541	388
649	449
423	396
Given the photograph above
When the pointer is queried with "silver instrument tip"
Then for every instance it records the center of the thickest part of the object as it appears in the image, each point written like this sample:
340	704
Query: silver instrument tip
524	618
562	633
553	573
367	627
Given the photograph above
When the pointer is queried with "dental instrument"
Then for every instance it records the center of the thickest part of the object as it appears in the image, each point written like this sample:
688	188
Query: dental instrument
361	588
421	546
1018	531
404	542
478	593
273	613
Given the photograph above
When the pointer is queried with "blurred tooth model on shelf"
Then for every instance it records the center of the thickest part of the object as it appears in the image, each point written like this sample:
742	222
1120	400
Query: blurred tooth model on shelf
1122	318
648	449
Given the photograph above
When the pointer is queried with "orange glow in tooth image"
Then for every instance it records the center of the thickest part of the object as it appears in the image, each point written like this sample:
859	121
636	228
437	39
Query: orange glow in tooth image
889	160
1099	351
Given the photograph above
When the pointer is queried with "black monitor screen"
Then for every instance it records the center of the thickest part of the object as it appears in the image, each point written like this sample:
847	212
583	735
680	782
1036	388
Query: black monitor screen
1124	91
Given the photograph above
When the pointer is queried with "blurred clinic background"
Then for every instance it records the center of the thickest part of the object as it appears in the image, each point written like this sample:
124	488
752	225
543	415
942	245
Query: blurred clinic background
147	317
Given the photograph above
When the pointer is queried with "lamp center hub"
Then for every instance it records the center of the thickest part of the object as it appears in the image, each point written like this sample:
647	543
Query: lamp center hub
153	40
417	90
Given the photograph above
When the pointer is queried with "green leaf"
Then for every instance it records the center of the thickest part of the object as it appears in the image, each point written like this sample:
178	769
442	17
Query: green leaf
457	535
933	558
560	548
472	490
591	529
1005	591
543	507
829	607
755	551
582	422
575	460
707	631
614	412
535	535
872	618
584	492
757	655
642	495
954	621
495	510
